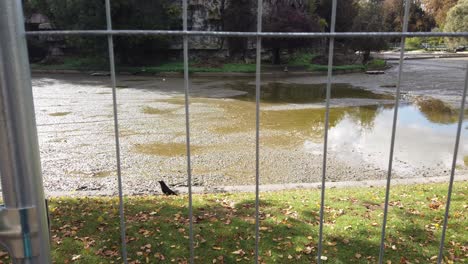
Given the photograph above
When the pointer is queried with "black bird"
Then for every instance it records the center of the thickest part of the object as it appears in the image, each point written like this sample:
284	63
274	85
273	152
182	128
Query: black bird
165	189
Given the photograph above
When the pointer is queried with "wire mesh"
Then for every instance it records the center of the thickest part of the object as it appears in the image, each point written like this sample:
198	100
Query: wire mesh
257	128
325	136
259	35
392	141
110	43
452	171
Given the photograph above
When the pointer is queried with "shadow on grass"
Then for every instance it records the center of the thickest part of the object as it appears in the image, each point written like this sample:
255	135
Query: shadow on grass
86	230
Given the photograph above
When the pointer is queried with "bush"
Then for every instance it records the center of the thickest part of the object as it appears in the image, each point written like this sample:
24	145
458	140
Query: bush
301	59
126	14
457	21
413	43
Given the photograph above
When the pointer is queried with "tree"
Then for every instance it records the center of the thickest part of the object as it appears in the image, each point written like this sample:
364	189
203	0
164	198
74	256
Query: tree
346	10
126	14
457	21
286	18
419	20
438	9
238	16
369	18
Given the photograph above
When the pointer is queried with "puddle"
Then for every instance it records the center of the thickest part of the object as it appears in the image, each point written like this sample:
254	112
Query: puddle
423	140
436	111
358	134
60	113
304	93
97	174
155	111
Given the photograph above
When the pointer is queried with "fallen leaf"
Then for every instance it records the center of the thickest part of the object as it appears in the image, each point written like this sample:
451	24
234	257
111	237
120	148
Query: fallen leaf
239	252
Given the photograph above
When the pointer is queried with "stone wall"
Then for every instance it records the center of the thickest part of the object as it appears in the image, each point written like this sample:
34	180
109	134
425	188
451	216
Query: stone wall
206	15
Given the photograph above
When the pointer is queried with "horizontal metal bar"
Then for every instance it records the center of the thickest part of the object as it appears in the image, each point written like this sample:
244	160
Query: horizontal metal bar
248	34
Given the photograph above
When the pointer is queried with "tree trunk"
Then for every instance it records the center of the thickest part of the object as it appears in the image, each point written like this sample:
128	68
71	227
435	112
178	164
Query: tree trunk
276	56
365	56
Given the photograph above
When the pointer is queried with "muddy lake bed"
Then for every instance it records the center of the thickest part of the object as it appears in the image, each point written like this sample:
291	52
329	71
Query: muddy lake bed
76	133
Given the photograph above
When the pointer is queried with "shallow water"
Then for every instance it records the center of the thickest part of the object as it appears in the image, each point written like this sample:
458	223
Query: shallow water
420	142
75	126
358	134
277	92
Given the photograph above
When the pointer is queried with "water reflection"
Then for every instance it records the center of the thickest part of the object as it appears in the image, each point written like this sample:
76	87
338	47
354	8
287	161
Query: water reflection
276	92
420	142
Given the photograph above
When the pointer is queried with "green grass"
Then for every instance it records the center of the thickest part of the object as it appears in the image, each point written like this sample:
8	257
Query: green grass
301	59
97	64
376	64
318	67
179	67
87	229
304	60
92	64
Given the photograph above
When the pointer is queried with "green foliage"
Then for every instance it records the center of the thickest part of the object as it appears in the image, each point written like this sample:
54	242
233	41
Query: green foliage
413	43
376	64
301	59
87	229
419	19
369	19
345	12
126	14
457	21
179	67
438	9
304	59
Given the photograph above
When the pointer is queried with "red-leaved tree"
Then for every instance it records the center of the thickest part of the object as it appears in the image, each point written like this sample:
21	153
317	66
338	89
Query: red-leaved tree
287	18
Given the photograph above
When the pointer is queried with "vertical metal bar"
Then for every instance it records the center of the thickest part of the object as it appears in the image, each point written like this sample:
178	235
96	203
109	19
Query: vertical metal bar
452	173
407	4
258	75
187	129
325	137
20	166
110	43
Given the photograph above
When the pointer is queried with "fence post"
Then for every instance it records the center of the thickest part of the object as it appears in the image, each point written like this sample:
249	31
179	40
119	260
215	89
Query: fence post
23	219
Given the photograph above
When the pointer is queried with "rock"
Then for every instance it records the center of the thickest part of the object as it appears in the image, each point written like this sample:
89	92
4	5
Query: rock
375	72
100	74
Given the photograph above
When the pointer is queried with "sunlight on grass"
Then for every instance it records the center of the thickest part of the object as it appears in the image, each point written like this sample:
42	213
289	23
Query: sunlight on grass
87	229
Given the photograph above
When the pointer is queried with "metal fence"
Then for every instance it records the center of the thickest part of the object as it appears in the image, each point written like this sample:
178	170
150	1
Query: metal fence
20	170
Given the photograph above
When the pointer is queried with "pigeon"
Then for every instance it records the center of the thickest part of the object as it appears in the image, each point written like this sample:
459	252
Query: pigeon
165	189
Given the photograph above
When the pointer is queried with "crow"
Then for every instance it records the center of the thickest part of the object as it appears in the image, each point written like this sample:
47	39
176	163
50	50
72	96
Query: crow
165	189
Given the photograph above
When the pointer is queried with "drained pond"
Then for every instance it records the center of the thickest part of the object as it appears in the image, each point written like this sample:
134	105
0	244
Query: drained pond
75	127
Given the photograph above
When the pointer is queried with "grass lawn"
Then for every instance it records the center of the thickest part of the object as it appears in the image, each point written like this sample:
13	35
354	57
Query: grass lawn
87	229
99	64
